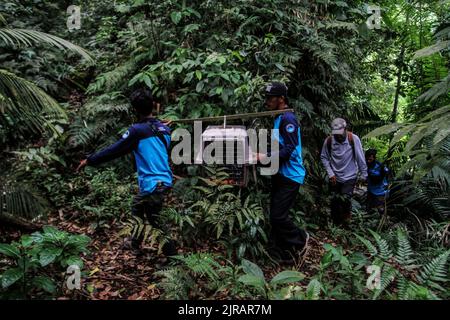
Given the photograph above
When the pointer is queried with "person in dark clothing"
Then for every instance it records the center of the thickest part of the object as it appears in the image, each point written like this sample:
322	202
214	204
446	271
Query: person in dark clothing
289	240
149	140
343	158
377	185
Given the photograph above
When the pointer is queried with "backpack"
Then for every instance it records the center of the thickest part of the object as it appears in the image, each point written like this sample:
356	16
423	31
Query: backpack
350	140
159	135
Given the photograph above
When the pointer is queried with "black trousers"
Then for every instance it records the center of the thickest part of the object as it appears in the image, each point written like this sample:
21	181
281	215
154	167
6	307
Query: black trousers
285	233
341	205
148	208
375	203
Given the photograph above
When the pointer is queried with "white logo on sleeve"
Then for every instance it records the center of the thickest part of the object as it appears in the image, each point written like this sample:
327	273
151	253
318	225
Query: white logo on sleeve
290	128
126	134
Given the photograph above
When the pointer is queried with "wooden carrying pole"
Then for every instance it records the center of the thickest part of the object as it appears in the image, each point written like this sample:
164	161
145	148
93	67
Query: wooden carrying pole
235	116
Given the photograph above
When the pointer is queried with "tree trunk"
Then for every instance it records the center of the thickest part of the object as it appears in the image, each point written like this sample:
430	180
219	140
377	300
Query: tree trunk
9	220
399	83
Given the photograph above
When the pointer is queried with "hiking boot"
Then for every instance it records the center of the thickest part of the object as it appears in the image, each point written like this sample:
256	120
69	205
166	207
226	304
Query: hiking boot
169	249
281	256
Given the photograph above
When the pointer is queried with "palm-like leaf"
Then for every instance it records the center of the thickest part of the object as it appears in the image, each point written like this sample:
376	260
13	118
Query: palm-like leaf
19	205
21	99
24	105
25	37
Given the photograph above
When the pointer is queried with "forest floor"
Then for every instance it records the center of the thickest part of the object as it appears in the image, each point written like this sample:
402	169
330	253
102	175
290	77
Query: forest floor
112	272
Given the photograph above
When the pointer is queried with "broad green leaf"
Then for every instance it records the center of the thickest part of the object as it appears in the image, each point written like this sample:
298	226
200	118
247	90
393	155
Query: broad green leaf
416	137
198	74
45	283
287	276
199	86
74	260
147	81
252	280
9	250
441	135
280	66
52	233
401	133
436	113
441	45
191	28
175	17
389	128
10	276
219	90
48	256
252	269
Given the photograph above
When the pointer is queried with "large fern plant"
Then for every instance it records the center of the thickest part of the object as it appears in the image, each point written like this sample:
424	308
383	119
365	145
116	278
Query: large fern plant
21	101
426	137
26	108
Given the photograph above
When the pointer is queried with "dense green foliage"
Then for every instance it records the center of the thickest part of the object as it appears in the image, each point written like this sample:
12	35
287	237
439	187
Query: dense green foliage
36	259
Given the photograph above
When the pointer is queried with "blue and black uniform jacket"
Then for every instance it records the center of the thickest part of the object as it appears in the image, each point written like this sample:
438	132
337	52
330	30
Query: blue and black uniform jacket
149	141
377	179
290	147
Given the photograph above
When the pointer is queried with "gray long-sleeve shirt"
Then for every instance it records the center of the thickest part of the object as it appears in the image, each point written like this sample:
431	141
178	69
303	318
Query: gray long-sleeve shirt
341	163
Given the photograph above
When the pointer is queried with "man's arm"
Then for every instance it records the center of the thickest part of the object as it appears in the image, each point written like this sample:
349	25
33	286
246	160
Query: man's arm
360	158
125	145
325	157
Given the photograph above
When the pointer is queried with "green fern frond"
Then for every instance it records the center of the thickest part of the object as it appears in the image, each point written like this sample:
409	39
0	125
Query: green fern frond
383	246
26	37
369	245
24	102
21	203
119	76
435	271
404	287
439	89
313	290
404	250
201	264
388	274
340	25
176	283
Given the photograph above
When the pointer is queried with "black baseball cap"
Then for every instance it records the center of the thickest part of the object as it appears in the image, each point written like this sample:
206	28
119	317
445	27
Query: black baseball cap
276	89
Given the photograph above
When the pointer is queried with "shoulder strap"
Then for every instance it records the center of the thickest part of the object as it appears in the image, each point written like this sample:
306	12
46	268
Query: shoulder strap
329	145
350	140
383	169
352	143
159	135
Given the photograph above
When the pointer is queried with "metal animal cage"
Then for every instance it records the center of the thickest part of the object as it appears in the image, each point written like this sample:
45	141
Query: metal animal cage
231	151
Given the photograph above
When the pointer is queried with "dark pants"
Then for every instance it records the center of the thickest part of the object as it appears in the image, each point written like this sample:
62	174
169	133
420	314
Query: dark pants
341	205
375	203
285	233
148	208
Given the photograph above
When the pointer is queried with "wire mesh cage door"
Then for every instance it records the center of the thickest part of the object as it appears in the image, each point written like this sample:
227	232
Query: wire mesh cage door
231	151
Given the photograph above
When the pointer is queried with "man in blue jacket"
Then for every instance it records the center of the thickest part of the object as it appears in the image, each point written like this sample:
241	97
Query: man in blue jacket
149	140
377	184
290	241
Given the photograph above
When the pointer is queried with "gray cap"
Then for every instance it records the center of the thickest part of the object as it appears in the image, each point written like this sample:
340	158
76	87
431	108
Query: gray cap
338	126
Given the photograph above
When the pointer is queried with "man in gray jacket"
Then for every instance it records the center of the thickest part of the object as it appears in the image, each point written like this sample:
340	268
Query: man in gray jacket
343	157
